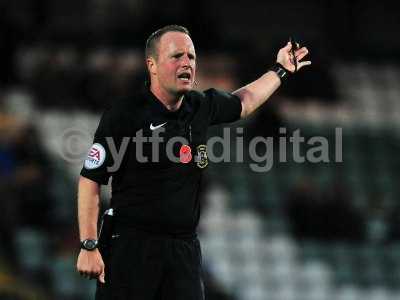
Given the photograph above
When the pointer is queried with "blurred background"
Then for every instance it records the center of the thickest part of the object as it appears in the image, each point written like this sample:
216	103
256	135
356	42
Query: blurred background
300	231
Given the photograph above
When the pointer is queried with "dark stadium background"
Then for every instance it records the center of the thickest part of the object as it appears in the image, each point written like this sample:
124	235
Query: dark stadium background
300	231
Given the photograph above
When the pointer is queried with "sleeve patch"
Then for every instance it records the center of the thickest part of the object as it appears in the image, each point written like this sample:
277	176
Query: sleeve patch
95	157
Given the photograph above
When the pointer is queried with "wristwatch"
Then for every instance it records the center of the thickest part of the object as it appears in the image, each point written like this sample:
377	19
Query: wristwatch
89	244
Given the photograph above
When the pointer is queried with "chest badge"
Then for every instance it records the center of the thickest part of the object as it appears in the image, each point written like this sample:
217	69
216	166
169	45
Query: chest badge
185	154
201	158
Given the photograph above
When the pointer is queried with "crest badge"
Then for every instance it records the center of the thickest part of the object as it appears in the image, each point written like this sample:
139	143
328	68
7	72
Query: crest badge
201	156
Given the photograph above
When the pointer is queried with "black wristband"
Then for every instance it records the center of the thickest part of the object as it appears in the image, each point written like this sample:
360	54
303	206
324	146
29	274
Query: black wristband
280	71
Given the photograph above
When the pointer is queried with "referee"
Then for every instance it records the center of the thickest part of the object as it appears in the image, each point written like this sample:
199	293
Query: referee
152	251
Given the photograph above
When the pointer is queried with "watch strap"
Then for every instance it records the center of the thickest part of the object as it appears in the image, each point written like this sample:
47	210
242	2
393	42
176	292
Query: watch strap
280	71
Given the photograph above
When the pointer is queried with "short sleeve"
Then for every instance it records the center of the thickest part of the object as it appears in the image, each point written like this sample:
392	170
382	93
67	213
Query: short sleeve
99	158
223	107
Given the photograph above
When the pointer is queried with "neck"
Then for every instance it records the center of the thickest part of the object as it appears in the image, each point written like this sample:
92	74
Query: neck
171	102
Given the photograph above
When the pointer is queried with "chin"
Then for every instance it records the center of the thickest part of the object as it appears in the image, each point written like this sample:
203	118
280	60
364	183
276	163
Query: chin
184	89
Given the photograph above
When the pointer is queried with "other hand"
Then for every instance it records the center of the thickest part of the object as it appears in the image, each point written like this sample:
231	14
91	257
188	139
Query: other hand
90	265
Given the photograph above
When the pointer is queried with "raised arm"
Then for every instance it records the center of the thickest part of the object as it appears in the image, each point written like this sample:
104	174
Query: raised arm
90	263
257	92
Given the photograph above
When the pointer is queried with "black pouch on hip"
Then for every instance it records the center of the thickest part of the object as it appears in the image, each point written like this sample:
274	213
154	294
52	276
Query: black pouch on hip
106	228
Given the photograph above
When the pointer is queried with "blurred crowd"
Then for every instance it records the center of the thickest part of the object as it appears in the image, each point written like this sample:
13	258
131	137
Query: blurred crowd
330	215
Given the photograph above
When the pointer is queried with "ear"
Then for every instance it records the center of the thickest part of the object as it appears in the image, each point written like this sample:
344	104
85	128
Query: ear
151	65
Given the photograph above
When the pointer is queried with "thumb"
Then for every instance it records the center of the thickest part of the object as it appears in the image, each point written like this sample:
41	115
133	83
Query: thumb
288	46
101	276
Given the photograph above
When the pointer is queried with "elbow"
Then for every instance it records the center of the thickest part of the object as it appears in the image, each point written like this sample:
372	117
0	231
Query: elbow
247	109
244	112
245	100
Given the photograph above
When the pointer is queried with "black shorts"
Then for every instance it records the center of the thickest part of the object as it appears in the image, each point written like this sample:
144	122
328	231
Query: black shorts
140	266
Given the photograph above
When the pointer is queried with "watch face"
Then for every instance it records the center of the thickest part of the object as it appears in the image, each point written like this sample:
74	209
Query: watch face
90	244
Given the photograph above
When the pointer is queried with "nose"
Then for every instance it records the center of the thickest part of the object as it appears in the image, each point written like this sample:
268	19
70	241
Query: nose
185	60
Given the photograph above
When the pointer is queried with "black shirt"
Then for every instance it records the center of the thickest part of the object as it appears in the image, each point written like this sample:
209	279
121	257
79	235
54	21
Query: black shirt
158	196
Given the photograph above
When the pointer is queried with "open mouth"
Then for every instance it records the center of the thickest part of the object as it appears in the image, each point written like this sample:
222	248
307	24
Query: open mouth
185	76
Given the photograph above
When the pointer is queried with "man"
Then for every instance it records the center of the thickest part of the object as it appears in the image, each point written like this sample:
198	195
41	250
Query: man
154	252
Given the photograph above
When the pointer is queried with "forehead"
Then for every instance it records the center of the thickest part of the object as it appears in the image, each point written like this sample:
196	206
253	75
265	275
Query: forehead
175	42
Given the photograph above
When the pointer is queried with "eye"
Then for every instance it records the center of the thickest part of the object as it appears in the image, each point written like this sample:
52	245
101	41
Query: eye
177	56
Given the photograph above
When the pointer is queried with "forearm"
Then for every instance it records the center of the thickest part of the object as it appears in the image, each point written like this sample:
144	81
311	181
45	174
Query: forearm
88	208
254	94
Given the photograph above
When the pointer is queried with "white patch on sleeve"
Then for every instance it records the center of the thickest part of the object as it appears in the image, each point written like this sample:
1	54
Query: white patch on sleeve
96	157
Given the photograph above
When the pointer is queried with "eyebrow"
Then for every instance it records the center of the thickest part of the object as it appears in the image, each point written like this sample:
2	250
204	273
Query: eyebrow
180	53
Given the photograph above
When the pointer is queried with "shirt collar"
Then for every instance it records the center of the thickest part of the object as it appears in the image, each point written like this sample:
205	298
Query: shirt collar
159	108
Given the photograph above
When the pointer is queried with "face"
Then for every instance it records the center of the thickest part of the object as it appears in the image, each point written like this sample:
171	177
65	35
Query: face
175	67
